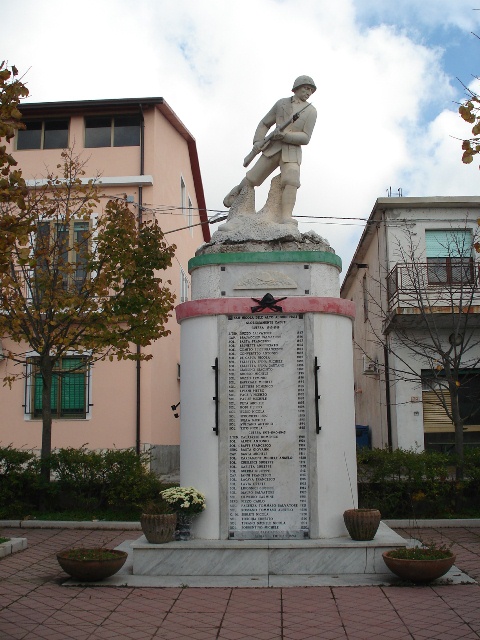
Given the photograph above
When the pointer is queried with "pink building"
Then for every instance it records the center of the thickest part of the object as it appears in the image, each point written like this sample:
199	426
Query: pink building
141	149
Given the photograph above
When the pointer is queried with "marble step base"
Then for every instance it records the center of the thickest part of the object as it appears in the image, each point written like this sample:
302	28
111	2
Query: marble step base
263	558
339	562
125	579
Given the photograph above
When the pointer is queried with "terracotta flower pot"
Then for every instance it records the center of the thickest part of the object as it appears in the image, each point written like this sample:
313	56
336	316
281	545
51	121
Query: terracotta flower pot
159	528
362	524
418	571
92	570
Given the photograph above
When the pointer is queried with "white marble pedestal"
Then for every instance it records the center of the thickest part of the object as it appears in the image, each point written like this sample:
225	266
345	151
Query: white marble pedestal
211	563
267	408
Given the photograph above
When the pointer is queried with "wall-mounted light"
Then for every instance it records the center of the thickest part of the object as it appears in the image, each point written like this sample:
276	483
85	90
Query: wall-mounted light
174	408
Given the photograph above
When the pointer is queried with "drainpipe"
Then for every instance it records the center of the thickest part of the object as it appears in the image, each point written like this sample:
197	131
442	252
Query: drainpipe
387	396
138	420
385	348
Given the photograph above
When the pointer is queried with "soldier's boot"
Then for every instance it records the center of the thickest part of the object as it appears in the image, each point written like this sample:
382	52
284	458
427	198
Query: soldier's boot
289	197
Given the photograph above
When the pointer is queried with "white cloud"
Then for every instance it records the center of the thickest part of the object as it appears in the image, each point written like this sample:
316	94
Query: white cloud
430	13
438	169
221	65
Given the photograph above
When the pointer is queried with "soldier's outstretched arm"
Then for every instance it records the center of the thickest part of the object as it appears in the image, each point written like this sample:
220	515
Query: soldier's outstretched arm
265	124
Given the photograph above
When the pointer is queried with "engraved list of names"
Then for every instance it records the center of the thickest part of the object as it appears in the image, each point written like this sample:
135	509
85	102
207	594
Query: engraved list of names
267	427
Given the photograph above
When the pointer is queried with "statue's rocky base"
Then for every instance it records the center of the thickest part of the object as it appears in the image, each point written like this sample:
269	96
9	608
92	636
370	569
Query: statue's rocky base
246	225
250	237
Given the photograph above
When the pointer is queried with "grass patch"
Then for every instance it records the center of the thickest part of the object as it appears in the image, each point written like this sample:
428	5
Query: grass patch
2	540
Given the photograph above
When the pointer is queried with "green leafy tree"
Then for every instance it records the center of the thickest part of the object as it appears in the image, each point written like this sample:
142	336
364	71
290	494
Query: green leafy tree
79	282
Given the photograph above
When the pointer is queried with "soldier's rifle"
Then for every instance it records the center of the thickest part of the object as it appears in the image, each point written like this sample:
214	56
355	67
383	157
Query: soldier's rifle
269	138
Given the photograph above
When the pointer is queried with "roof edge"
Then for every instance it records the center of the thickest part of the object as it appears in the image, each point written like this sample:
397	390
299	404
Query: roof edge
80	105
382	204
175	121
75	106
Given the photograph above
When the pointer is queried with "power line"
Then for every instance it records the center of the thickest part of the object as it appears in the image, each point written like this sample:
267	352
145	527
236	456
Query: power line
173	209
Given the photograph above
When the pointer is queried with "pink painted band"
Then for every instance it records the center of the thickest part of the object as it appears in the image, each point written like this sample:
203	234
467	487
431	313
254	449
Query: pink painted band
243	306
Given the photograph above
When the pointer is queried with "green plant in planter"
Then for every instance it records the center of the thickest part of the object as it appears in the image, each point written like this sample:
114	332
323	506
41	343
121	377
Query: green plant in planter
90	554
91	564
430	551
420	564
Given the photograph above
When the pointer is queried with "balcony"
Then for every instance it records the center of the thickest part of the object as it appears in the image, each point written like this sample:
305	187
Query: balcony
440	286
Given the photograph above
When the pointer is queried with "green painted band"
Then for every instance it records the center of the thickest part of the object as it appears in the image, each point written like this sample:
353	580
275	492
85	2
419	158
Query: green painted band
265	257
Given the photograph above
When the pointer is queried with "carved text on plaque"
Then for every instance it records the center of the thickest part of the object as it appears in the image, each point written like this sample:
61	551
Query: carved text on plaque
268	488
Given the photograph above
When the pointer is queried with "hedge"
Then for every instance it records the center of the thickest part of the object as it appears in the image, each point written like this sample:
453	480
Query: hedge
81	479
400	483
407	484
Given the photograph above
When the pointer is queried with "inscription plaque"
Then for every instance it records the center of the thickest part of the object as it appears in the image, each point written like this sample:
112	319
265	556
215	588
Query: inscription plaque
267	475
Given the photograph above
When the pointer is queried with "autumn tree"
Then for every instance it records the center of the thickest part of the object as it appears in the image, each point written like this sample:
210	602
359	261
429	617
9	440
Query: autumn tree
12	185
84	279
470	112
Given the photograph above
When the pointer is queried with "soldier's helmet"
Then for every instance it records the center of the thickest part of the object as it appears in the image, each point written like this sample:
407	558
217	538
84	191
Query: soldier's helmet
304	80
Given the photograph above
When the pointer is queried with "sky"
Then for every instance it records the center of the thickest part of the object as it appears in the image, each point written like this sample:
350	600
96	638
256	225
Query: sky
389	78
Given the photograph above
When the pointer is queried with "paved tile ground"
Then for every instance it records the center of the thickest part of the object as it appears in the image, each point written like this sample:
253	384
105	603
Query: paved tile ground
35	605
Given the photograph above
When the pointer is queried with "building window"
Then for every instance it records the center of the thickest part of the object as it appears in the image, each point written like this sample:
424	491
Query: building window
59	244
365	298
43	134
70	388
190	216
438	428
183	196
449	256
184	286
112	131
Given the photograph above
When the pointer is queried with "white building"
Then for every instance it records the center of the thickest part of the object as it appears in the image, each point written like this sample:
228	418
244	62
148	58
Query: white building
415	267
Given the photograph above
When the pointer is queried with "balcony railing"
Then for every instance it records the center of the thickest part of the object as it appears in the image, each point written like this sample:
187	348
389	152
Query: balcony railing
439	282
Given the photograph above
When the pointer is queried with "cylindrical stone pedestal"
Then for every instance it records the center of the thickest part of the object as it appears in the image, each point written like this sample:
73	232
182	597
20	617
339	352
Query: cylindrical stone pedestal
267	408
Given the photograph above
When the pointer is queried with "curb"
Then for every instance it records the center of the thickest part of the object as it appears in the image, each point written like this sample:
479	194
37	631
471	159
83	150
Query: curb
433	523
12	546
135	526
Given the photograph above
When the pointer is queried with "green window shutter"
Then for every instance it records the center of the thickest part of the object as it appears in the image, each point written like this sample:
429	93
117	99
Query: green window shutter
38	388
68	388
73	392
73	386
452	243
37	400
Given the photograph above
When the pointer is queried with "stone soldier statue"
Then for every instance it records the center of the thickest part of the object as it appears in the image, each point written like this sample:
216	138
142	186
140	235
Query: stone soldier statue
294	118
